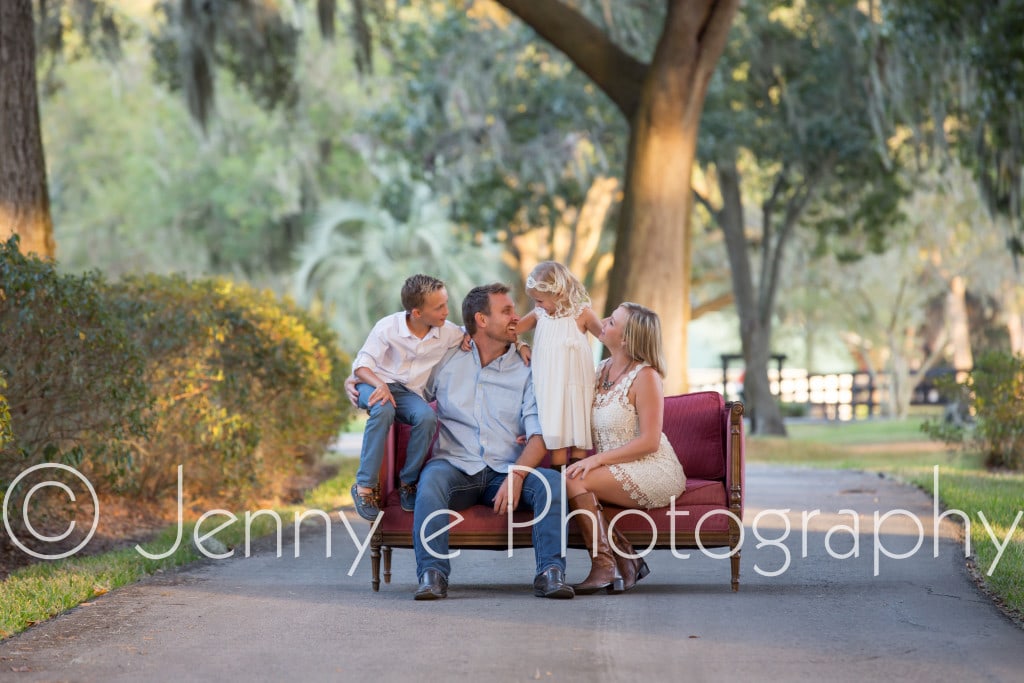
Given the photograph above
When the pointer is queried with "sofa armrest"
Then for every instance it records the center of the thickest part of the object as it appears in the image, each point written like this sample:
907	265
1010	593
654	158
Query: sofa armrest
734	456
387	468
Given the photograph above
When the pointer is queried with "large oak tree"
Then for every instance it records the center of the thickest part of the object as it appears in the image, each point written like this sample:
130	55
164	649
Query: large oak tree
662	100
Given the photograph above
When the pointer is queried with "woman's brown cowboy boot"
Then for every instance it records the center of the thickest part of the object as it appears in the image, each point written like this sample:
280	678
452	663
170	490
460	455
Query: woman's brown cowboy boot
632	570
604	570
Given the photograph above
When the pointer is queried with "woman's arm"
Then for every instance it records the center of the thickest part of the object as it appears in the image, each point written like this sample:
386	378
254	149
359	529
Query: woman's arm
648	395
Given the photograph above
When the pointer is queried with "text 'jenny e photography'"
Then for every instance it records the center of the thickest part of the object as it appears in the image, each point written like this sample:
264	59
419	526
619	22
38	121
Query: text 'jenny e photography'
778	520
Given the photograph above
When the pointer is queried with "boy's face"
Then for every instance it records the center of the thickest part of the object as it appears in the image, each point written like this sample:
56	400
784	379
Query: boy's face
435	308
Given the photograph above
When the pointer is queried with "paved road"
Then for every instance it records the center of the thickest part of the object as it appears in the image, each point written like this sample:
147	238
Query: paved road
823	618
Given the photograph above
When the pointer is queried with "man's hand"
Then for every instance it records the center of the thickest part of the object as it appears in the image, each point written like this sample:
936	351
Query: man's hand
509	493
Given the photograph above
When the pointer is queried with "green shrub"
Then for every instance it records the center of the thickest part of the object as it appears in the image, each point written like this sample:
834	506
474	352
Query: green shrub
994	397
72	373
6	433
127	381
248	389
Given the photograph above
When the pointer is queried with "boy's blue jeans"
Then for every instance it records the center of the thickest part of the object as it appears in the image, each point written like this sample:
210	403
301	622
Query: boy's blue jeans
413	411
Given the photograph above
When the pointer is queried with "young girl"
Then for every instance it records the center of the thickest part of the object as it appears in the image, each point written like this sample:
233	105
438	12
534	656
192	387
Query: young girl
562	361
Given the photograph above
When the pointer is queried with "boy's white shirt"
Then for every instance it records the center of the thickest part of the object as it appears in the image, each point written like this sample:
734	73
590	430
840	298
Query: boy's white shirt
395	354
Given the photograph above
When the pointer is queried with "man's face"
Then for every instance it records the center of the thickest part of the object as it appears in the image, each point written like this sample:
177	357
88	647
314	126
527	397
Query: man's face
435	308
501	322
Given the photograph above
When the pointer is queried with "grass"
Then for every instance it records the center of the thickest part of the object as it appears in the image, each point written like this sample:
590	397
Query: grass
901	450
45	589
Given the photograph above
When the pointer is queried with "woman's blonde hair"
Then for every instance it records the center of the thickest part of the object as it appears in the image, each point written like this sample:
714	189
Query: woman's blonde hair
641	335
551	277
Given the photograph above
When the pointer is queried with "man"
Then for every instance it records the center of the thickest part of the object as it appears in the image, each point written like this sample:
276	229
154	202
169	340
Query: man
485	400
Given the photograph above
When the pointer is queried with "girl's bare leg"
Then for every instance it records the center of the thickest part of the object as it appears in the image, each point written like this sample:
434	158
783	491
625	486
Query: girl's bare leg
560	457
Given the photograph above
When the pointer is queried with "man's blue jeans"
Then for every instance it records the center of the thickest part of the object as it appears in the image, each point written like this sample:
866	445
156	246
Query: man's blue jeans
443	486
413	411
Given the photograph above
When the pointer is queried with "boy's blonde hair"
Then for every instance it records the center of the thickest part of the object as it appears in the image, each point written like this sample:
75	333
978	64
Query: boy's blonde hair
551	277
641	336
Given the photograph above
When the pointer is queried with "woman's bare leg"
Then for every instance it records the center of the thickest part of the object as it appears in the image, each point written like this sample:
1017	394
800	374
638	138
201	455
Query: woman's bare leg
603	484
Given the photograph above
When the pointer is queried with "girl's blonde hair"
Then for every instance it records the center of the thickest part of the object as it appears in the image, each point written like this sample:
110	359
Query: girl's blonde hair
551	277
641	335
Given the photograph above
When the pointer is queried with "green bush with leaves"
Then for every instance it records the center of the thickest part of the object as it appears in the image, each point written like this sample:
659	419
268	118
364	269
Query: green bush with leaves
6	433
248	389
73	375
994	396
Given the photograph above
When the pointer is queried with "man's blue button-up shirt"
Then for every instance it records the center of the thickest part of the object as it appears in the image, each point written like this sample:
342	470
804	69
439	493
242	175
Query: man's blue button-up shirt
482	410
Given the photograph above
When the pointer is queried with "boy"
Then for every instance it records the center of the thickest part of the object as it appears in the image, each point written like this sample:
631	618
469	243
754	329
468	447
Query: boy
392	369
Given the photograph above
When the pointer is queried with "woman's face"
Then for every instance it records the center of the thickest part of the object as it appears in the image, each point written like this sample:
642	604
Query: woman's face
612	327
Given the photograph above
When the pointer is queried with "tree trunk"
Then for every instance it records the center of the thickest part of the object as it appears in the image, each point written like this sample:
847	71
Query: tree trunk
1014	318
652	264
24	200
959	325
663	102
754	310
653	242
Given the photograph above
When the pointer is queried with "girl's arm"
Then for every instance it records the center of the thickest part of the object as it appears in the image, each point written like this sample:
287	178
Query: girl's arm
648	395
527	322
589	322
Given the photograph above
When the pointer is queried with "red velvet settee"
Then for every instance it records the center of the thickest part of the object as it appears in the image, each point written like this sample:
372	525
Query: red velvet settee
707	435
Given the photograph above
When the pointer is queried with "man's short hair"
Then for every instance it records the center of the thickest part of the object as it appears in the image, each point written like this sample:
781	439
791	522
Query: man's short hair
479	301
416	289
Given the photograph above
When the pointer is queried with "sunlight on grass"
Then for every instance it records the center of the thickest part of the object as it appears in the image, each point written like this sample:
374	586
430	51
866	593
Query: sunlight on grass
859	432
999	497
335	492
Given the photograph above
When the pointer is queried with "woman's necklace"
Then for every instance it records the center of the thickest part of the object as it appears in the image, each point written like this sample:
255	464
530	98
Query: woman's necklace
607	383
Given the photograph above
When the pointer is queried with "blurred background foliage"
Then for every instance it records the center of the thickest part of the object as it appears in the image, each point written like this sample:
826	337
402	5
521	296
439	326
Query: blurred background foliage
864	152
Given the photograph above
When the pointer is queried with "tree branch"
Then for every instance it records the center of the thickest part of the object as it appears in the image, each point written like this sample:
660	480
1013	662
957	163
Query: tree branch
706	203
711	305
716	30
618	74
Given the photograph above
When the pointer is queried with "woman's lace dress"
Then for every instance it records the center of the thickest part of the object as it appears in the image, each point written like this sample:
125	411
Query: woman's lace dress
652	480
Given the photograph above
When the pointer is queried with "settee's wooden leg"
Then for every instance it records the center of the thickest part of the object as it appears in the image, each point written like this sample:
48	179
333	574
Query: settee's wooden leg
387	564
375	564
735	562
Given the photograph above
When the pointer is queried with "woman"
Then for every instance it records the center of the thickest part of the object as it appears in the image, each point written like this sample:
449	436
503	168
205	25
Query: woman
634	465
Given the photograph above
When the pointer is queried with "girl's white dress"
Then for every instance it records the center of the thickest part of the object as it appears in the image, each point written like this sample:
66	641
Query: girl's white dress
563	380
651	480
